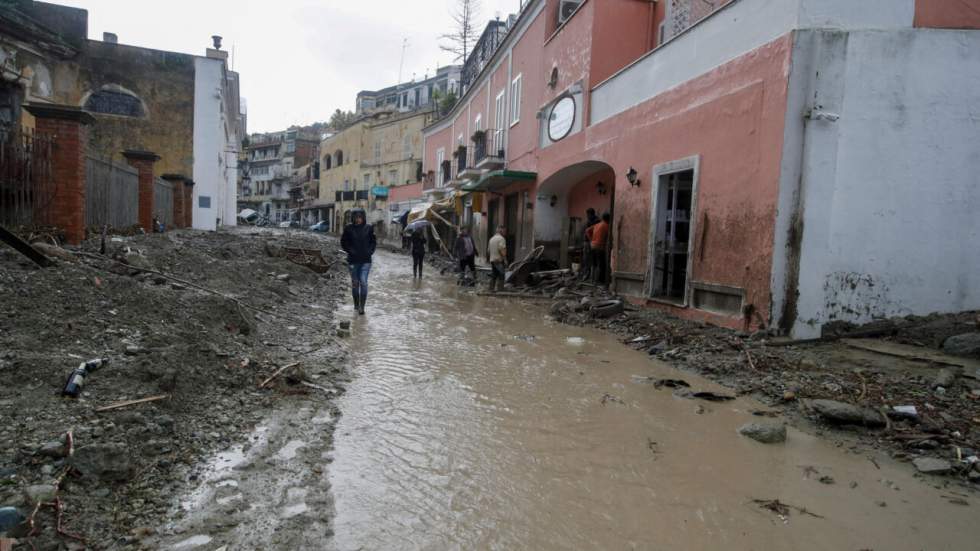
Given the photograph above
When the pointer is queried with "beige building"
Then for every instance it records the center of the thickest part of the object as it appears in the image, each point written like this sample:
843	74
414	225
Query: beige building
358	165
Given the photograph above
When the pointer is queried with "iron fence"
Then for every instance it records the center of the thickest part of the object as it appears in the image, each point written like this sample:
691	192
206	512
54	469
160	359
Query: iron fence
27	184
111	194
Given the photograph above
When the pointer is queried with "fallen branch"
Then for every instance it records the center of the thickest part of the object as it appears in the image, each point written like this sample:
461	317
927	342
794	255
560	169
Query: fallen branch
783	509
277	373
126	403
748	356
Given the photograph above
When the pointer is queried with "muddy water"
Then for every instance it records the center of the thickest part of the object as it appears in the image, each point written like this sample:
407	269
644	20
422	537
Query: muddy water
475	423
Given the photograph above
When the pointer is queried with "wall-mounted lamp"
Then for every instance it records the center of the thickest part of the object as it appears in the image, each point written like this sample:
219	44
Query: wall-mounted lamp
633	177
600	188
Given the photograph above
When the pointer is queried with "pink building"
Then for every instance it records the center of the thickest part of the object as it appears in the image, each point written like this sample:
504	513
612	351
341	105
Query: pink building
767	163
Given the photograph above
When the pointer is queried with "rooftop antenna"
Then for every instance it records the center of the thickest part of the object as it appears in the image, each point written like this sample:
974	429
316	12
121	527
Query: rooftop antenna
402	64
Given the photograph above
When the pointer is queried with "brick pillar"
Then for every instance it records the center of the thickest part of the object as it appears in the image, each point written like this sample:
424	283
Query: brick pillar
143	161
189	203
177	180
68	126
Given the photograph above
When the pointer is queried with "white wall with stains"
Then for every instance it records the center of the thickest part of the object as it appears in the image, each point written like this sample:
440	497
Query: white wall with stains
890	187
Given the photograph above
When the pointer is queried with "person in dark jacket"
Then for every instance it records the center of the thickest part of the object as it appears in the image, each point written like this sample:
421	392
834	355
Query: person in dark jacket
418	251
465	250
359	243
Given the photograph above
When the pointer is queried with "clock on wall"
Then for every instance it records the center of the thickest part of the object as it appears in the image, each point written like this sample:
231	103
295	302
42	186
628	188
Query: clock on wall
562	118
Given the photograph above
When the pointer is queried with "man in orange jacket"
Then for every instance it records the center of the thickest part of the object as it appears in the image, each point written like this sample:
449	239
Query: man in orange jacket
598	236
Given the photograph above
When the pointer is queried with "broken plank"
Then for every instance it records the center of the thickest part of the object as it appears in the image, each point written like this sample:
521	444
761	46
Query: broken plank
277	373
24	248
910	352
515	295
127	403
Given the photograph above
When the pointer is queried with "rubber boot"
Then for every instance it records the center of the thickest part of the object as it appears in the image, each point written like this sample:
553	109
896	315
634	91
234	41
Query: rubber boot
360	307
357	300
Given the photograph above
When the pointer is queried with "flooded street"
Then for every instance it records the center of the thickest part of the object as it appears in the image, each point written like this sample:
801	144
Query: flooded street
476	423
473	422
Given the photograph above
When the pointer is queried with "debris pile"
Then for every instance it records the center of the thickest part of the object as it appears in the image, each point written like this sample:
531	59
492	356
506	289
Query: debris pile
191	323
893	384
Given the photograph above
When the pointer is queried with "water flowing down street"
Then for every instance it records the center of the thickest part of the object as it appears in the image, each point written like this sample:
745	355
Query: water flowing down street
476	423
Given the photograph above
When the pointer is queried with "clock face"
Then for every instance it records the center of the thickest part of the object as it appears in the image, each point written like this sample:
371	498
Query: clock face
562	118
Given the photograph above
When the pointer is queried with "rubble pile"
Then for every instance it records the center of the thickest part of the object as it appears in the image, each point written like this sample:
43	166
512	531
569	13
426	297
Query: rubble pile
191	323
896	391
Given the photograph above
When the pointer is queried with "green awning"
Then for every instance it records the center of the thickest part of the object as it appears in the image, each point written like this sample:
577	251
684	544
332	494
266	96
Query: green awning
498	179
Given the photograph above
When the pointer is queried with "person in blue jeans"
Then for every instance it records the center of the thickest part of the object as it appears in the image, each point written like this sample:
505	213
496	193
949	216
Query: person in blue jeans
359	243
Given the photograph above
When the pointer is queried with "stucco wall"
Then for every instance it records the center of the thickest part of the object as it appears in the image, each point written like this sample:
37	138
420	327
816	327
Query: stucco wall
948	14
732	119
890	189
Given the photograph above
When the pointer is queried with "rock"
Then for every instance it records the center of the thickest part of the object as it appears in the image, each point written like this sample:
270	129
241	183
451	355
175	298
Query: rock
945	377
966	345
166	422
764	432
345	324
55	448
10	517
283	277
102	493
104	461
41	492
133	350
931	465
846	414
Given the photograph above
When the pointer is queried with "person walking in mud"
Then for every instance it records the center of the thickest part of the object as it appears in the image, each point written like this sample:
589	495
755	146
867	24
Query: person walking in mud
465	250
497	256
417	245
359	242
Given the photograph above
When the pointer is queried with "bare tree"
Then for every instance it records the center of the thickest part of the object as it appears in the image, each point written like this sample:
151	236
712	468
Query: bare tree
465	33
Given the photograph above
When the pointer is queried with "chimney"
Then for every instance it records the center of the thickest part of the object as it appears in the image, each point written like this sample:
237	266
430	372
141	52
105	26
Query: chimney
110	38
216	52
217	41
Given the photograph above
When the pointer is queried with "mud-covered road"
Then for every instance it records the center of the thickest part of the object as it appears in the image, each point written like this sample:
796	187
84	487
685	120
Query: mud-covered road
475	423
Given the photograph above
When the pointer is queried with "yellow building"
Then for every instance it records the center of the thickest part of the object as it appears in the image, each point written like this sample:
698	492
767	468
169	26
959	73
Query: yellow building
359	164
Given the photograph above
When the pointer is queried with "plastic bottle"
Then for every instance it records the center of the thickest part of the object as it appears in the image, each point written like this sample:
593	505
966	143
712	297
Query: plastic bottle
77	378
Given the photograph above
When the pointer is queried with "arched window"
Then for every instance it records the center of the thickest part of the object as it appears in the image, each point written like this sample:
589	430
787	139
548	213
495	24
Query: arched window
115	101
340	157
327	162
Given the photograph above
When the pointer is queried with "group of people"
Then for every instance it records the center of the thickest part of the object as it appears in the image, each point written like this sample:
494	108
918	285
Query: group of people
359	242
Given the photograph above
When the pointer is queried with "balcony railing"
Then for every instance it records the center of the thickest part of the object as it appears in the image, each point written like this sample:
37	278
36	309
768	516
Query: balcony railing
460	161
488	148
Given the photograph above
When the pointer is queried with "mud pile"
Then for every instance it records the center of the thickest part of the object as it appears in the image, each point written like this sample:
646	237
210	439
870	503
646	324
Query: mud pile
224	312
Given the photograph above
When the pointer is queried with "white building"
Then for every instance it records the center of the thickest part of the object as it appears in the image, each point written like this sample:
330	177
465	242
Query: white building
218	133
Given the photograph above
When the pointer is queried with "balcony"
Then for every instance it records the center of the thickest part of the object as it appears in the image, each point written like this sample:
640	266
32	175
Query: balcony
488	150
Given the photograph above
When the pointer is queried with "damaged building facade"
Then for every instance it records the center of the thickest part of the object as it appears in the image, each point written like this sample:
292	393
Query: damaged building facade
172	121
785	164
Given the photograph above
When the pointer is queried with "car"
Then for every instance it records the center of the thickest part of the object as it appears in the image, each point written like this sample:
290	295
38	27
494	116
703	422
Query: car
320	227
289	224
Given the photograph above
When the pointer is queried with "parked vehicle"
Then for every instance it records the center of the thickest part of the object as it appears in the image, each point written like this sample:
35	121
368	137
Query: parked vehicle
320	227
289	224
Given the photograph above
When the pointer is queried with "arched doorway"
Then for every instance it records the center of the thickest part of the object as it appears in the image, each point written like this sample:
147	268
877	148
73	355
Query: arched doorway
563	200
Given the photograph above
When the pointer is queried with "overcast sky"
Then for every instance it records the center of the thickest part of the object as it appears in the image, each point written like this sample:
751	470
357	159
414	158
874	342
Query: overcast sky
299	59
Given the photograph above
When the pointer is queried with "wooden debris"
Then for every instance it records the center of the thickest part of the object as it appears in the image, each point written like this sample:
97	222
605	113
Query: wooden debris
278	372
910	352
24	248
127	403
